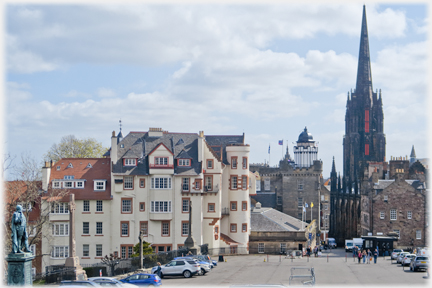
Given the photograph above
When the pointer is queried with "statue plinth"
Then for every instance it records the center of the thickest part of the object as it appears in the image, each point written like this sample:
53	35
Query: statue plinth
20	269
189	244
78	273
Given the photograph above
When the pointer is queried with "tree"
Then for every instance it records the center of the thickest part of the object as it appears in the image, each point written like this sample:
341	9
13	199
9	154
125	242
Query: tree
146	249
71	147
112	260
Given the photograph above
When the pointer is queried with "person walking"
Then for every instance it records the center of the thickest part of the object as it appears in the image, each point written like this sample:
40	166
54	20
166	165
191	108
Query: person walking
375	254
369	256
159	269
364	255
359	256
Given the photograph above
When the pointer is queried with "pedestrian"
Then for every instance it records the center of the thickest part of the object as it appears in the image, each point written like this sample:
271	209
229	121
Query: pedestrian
364	255
354	251
308	251
369	256
316	251
359	256
375	254
159	269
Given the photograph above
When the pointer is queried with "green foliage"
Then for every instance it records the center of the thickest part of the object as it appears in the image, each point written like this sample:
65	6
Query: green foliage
146	249
71	147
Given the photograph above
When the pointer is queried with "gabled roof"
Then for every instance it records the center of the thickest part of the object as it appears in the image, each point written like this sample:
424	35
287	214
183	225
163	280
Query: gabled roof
100	170
219	142
271	220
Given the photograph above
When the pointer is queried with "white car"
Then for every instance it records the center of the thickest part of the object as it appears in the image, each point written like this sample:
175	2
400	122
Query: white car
395	253
406	261
187	268
401	256
101	280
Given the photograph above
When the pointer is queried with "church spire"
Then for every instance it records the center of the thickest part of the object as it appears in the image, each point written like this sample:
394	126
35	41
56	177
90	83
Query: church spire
364	73
333	177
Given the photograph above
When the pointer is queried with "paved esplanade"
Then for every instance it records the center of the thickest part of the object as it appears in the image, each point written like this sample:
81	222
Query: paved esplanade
251	269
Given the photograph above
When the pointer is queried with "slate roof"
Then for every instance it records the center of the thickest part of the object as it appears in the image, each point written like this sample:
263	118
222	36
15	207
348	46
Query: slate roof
382	184
139	145
271	220
219	142
267	199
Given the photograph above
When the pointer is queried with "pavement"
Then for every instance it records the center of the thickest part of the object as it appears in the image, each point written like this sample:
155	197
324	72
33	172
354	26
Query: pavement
334	267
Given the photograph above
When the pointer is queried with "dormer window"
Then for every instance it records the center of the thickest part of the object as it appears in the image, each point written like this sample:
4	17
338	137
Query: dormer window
99	185
129	162
58	168
161	160
184	162
70	165
89	166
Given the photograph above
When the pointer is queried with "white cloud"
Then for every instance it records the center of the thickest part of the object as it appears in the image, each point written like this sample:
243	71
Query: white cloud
105	92
77	94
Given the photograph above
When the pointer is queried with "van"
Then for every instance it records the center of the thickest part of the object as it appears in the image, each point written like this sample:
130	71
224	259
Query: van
358	242
349	244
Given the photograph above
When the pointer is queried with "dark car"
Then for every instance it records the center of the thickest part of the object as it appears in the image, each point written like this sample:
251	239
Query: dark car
143	279
420	262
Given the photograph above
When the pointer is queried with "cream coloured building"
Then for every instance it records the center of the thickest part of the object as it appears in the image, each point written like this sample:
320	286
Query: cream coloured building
146	183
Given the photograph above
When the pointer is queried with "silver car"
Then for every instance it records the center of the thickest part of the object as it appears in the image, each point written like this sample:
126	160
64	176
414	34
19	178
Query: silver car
401	256
406	261
420	262
187	268
102	280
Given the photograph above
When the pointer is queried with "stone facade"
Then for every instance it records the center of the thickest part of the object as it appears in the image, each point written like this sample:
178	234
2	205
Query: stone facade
400	208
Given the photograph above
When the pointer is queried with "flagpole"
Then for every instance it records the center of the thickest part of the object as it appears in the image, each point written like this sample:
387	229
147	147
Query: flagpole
282	148
269	154
302	217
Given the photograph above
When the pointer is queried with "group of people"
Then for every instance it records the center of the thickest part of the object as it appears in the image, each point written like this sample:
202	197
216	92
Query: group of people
365	255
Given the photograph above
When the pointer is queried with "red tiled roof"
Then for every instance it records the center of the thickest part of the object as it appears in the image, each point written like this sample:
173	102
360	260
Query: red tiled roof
227	239
100	170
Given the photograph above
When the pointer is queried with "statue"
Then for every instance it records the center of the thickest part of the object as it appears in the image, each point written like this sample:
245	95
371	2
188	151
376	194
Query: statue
19	232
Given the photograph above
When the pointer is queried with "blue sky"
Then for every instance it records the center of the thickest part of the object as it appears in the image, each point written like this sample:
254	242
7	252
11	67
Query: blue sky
263	70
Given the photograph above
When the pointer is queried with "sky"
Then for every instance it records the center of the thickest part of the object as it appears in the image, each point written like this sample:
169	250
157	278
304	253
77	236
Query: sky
266	70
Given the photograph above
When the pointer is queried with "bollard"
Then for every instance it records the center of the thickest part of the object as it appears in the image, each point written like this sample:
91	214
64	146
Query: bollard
327	258
308	259
280	258
264	260
267	258
292	257
345	257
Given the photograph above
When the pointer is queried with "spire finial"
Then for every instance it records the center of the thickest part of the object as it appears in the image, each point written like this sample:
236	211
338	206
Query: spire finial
120	125
364	73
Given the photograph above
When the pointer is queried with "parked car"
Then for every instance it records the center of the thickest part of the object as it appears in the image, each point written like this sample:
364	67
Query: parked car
205	258
105	280
214	262
401	256
395	253
71	283
205	266
187	268
419	262
143	279
406	261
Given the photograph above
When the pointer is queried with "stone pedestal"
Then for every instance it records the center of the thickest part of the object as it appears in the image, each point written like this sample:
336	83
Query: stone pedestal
190	245
78	273
20	269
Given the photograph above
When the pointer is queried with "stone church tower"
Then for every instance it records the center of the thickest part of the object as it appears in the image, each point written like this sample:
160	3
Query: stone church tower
364	138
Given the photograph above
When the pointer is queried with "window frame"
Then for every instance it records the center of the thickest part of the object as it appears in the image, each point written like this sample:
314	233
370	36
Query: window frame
183	227
145	223
234	161
99	206
97	250
122	228
142	182
183	205
184	162
158	179
159	159
244	162
62	249
214	208
97	184
394	212
234	183
154	204
86	205
129	162
233	208
418	232
59	229
261	247
142	206
86	252
233	225
244	228
244	182
207	187
185	184
122	206
409	214
84	228
382	215
99	229
210	161
128	182
168	228
243	206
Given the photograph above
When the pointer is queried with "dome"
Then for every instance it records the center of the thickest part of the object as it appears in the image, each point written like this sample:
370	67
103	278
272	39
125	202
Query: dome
305	136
